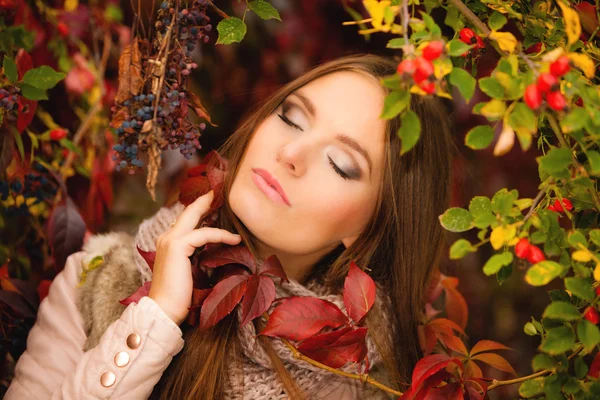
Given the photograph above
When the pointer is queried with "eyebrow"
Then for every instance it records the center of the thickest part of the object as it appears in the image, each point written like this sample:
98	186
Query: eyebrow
347	140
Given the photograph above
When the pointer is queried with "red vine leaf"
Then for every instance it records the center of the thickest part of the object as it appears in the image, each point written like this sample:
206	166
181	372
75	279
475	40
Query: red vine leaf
227	255
222	299
451	391
446	326
148	256
65	232
7	147
272	266
199	109
260	293
423	391
130	72
476	388
26	110
487	345
210	174
301	317
192	188
456	306
138	294
43	288
359	293
24	62
495	361
336	348
425	368
454	343
198	297
472	370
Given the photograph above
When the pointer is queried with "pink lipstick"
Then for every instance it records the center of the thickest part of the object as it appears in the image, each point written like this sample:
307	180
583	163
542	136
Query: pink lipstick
269	186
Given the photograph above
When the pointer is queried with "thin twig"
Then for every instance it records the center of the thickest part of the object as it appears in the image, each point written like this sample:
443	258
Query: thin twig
534	203
218	10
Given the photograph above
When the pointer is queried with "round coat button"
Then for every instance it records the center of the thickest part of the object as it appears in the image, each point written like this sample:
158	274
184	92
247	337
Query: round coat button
108	379
133	341
121	359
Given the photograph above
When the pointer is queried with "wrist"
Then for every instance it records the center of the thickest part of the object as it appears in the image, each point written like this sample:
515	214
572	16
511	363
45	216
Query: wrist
163	306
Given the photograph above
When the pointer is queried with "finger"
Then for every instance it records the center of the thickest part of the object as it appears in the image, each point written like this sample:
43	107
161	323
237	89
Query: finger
191	215
199	237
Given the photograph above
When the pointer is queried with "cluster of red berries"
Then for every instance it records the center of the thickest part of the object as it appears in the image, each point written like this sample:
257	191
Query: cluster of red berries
559	207
548	86
468	36
420	69
533	254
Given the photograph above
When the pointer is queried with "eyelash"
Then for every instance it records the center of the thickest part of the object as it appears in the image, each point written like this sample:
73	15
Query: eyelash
290	123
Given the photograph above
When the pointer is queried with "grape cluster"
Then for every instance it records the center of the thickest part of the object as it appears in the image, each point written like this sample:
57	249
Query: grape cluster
34	189
170	109
9	96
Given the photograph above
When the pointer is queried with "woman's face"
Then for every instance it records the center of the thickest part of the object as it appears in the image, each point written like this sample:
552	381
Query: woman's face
329	164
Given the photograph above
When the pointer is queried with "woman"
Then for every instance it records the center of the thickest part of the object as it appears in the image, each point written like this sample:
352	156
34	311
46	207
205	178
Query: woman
314	177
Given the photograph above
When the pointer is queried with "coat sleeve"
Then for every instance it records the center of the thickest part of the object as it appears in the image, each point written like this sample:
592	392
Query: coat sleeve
129	360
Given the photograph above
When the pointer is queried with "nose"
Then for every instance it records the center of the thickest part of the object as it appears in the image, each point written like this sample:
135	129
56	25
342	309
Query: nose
292	156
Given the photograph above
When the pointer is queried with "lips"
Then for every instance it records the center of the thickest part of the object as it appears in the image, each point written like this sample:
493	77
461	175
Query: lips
269	186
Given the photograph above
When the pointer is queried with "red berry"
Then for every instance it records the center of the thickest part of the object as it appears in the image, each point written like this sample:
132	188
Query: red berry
427	86
598	291
535	254
522	248
551	208
533	96
58	134
63	29
547	83
534	48
560	67
566	204
467	36
480	44
433	50
579	102
556	100
591	315
424	70
406	68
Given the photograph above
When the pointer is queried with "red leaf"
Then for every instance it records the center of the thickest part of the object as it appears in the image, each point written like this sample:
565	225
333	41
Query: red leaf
452	391
456	306
487	345
434	288
224	297
429	365
359	293
301	317
273	267
427	339
472	370
26	112
259	296
192	188
495	361
16	301
228	255
24	62
228	270
476	388
7	149
594	371
65	232
4	271
148	256
138	294
198	297
198	170
336	350
43	288
421	392
444	325
454	343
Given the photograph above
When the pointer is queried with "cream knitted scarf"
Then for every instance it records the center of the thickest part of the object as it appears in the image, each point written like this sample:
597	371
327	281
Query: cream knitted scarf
259	379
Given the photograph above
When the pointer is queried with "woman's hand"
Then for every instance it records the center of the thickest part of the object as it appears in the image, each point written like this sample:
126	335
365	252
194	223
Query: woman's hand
172	283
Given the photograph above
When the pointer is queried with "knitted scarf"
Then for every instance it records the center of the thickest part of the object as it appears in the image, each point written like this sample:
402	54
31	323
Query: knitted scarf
258	378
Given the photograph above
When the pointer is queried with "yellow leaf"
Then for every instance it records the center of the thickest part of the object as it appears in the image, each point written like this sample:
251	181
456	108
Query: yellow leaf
498	237
597	272
494	109
584	63
581	256
378	10
71	5
572	24
505	141
442	67
506	41
514	241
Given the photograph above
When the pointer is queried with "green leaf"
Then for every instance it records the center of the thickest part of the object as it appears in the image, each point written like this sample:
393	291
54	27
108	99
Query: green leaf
522	119
264	10
531	388
502	201
43	77
394	103
430	24
580	287
456	219
594	159
577	237
543	272
396	43
558	340
588	334
595	236
231	30
483	220
496	262
18	141
409	131
493	110
10	69
33	93
464	82
456	47
113	13
491	87
557	159
479	137
574	121
480	204
581	368
562	310
542	361
461	248
529	329
496	21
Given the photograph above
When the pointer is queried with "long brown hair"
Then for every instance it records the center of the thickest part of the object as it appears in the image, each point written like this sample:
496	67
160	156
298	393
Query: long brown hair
399	248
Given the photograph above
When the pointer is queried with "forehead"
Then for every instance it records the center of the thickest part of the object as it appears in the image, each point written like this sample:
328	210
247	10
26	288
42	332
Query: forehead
350	103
